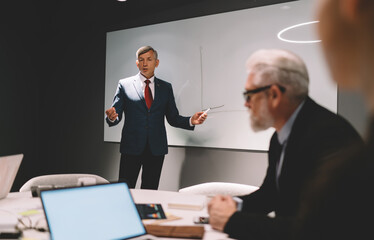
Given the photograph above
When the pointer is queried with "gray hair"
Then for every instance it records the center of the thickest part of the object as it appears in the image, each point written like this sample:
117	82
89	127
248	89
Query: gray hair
146	49
276	66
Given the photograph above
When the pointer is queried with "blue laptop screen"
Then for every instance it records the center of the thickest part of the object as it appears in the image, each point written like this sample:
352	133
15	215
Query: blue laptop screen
93	212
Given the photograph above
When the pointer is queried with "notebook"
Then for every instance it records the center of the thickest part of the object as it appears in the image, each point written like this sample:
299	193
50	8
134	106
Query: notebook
97	212
9	166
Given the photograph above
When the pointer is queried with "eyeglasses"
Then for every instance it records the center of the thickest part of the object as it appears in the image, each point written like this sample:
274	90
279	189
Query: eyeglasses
249	93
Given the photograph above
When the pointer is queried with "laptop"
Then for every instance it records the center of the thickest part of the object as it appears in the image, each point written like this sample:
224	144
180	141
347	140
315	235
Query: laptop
9	166
96	212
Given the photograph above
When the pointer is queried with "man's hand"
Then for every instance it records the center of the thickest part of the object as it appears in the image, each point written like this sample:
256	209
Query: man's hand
111	113
198	118
220	209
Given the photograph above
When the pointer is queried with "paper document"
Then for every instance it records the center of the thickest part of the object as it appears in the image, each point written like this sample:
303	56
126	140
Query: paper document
188	202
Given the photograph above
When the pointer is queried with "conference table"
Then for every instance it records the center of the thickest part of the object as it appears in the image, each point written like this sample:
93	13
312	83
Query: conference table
180	208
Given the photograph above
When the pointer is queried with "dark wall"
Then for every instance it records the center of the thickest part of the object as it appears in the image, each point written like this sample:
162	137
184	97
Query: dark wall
20	72
52	71
52	64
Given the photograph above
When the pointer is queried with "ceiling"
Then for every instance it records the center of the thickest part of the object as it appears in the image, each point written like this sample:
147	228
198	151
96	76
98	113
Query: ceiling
114	15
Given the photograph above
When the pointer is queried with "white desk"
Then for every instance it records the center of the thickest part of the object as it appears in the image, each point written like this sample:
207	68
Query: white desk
17	203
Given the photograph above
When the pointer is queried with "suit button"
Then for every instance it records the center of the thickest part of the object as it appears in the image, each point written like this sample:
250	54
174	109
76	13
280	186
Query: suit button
146	127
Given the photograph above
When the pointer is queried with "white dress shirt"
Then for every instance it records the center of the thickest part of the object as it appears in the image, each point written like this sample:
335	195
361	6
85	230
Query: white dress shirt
151	84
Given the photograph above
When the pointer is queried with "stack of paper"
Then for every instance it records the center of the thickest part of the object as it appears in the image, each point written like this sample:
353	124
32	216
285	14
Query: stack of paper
188	202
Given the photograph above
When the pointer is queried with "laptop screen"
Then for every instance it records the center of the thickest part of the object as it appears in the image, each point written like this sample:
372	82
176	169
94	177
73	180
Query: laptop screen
92	212
9	166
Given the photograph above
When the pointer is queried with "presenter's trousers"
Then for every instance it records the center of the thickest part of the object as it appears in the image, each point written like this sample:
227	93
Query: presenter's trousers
151	169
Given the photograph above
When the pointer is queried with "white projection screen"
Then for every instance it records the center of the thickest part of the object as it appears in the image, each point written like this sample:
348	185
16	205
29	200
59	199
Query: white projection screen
204	59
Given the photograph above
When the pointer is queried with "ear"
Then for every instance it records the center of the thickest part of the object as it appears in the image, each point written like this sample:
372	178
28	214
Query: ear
137	63
349	9
275	96
157	62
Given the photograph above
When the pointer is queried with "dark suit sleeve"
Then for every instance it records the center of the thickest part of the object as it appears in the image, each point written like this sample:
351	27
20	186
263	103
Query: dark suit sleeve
258	226
172	113
118	104
263	200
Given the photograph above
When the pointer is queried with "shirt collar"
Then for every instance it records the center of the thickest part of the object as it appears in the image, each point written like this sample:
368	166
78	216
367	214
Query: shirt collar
142	78
284	133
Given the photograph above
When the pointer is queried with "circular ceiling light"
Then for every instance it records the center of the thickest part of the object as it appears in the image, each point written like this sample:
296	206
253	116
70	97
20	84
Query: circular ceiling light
293	27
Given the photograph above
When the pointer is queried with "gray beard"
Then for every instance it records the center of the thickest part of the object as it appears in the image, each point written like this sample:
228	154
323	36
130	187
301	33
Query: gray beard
261	122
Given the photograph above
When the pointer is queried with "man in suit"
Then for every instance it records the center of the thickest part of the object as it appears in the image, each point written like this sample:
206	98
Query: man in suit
306	134
146	100
339	203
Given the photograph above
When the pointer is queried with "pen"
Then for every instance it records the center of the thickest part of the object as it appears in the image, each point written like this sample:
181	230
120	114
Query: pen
205	112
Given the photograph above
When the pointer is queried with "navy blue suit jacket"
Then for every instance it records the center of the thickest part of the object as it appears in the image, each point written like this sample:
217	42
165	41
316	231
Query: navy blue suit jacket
143	125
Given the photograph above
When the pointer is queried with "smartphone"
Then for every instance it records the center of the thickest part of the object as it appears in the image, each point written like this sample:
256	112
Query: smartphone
201	220
150	211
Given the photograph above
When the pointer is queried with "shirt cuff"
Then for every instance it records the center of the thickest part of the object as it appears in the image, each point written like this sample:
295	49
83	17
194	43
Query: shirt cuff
112	121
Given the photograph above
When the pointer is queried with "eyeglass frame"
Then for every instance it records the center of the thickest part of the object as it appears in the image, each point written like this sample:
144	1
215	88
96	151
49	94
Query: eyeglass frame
249	93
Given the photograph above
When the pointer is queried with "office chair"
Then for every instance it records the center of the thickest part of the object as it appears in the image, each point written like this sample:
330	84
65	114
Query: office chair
63	180
219	188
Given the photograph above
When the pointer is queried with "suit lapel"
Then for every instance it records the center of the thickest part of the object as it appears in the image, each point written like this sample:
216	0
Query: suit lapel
138	87
157	91
301	120
297	130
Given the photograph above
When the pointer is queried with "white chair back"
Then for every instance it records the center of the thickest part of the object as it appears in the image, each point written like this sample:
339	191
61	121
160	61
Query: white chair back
63	180
219	188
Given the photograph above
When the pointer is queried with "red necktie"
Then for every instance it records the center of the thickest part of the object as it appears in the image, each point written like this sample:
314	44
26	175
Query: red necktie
148	94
